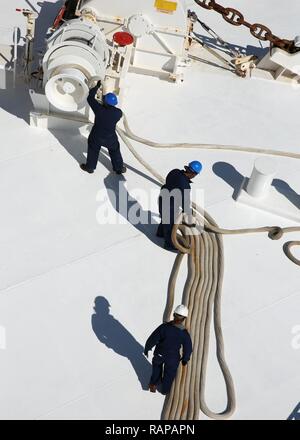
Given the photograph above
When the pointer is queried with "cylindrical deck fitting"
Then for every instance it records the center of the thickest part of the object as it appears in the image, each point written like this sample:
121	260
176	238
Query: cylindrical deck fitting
77	52
262	177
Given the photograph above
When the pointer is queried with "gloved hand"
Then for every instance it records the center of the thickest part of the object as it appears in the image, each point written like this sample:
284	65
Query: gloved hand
93	82
184	363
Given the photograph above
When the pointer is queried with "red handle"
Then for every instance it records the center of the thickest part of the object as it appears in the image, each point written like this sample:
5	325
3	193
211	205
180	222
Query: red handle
59	17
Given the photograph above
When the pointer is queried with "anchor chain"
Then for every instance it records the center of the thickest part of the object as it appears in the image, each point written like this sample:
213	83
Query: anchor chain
259	31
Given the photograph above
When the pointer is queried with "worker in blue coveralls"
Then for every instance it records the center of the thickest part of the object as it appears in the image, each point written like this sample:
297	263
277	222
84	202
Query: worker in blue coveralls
168	339
175	195
103	133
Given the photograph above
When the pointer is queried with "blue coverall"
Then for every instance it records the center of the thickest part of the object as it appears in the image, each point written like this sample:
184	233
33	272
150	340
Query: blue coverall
168	339
103	133
169	209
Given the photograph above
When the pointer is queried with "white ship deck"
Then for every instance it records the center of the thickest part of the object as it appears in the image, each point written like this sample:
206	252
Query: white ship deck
55	259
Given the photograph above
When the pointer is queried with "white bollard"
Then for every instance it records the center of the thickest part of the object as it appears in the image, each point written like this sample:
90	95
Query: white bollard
262	177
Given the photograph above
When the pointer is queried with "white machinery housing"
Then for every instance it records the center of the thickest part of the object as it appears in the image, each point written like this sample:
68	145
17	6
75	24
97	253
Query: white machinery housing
106	39
77	51
85	48
159	27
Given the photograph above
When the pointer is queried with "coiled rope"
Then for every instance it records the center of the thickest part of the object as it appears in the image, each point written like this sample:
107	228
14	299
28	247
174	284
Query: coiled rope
202	292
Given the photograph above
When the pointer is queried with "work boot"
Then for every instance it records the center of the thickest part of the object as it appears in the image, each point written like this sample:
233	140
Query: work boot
84	168
152	388
122	171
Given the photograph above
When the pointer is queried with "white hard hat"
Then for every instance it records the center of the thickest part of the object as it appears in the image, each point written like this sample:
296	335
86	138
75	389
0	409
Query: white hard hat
182	311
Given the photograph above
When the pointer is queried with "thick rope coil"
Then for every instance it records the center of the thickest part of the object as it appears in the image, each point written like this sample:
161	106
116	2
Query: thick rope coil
202	295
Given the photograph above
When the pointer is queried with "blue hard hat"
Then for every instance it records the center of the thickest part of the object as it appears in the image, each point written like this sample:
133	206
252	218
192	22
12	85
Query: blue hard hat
195	166
111	99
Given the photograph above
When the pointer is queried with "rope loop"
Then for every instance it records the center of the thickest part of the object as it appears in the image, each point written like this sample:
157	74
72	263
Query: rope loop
288	252
276	233
182	241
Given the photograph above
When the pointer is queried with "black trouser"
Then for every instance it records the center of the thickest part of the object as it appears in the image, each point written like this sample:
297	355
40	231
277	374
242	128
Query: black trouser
164	368
166	227
113	146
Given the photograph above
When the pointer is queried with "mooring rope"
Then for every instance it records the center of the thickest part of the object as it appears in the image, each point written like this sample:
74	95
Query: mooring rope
202	293
128	133
275	232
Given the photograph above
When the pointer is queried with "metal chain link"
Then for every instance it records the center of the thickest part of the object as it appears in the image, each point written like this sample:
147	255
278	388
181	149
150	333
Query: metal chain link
236	18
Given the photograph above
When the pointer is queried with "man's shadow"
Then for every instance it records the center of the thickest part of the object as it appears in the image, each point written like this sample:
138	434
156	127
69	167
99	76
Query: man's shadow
72	141
114	335
234	178
76	145
128	207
